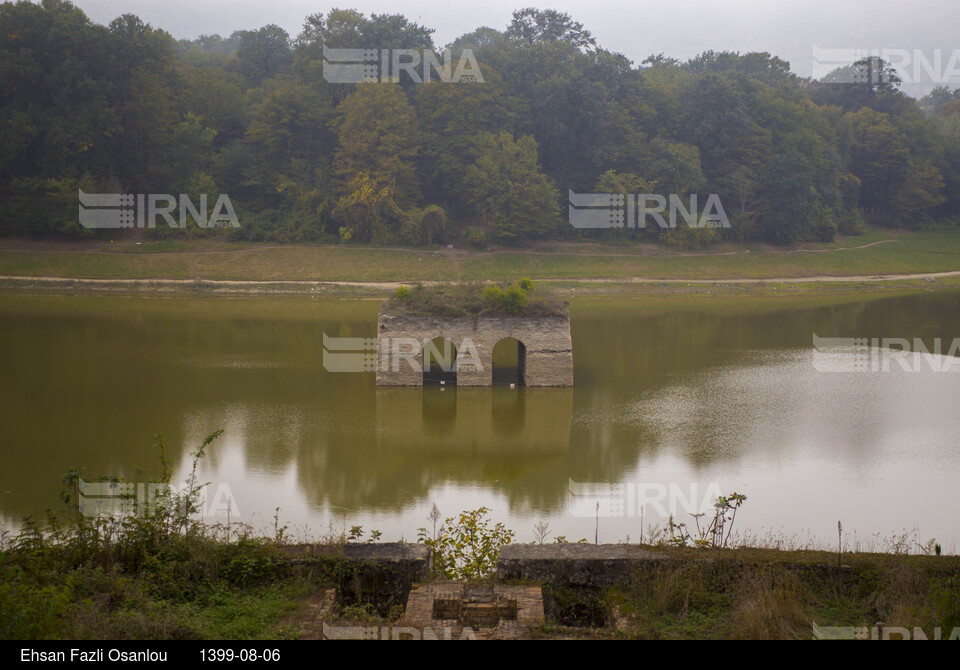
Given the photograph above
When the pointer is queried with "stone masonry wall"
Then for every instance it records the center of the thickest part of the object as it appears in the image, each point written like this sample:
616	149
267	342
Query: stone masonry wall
549	351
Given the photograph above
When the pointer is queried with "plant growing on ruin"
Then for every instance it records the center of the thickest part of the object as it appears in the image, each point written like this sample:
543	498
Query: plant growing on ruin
279	532
514	300
714	534
466	547
541	531
356	535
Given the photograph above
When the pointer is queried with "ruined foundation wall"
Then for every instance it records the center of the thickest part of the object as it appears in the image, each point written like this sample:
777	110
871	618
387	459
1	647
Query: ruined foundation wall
549	351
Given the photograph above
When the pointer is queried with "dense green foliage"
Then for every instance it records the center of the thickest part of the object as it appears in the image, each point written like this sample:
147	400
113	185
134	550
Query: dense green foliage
473	299
126	108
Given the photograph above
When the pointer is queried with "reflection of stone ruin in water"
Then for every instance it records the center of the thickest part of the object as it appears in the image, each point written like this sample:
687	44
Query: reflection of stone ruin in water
545	353
474	421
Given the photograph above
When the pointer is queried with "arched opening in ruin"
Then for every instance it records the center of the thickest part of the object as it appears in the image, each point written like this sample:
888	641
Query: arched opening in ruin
509	362
439	362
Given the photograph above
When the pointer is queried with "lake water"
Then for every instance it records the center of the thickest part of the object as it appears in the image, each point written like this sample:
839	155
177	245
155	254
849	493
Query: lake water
676	399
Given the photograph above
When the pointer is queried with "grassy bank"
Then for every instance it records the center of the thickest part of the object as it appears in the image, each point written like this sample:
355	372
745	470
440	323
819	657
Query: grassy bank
768	594
875	253
251	589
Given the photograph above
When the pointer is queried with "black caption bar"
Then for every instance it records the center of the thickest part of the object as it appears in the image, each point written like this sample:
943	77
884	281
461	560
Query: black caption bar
153	652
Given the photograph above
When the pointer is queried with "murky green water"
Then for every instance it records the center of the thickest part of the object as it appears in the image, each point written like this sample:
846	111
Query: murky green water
679	396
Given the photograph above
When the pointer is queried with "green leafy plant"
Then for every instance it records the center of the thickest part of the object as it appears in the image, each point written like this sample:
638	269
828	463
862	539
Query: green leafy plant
465	547
491	296
248	562
510	300
514	300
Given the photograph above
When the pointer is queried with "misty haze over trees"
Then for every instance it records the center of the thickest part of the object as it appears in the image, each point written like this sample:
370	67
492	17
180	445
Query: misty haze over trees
125	108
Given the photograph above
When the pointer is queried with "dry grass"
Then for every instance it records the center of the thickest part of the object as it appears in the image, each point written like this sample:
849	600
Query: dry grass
770	608
768	594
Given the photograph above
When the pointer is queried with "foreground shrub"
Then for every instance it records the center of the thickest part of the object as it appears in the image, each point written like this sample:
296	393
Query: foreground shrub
402	294
466	547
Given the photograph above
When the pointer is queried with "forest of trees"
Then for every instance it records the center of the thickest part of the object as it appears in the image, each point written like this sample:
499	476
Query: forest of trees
125	108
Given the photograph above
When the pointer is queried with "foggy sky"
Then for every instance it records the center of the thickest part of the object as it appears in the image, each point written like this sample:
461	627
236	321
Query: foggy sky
678	28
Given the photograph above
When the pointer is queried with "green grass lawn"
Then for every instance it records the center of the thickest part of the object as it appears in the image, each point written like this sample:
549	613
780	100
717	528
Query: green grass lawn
236	262
909	254
896	253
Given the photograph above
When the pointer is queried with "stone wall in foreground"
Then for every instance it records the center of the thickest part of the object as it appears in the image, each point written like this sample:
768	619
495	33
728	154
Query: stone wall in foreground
593	565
